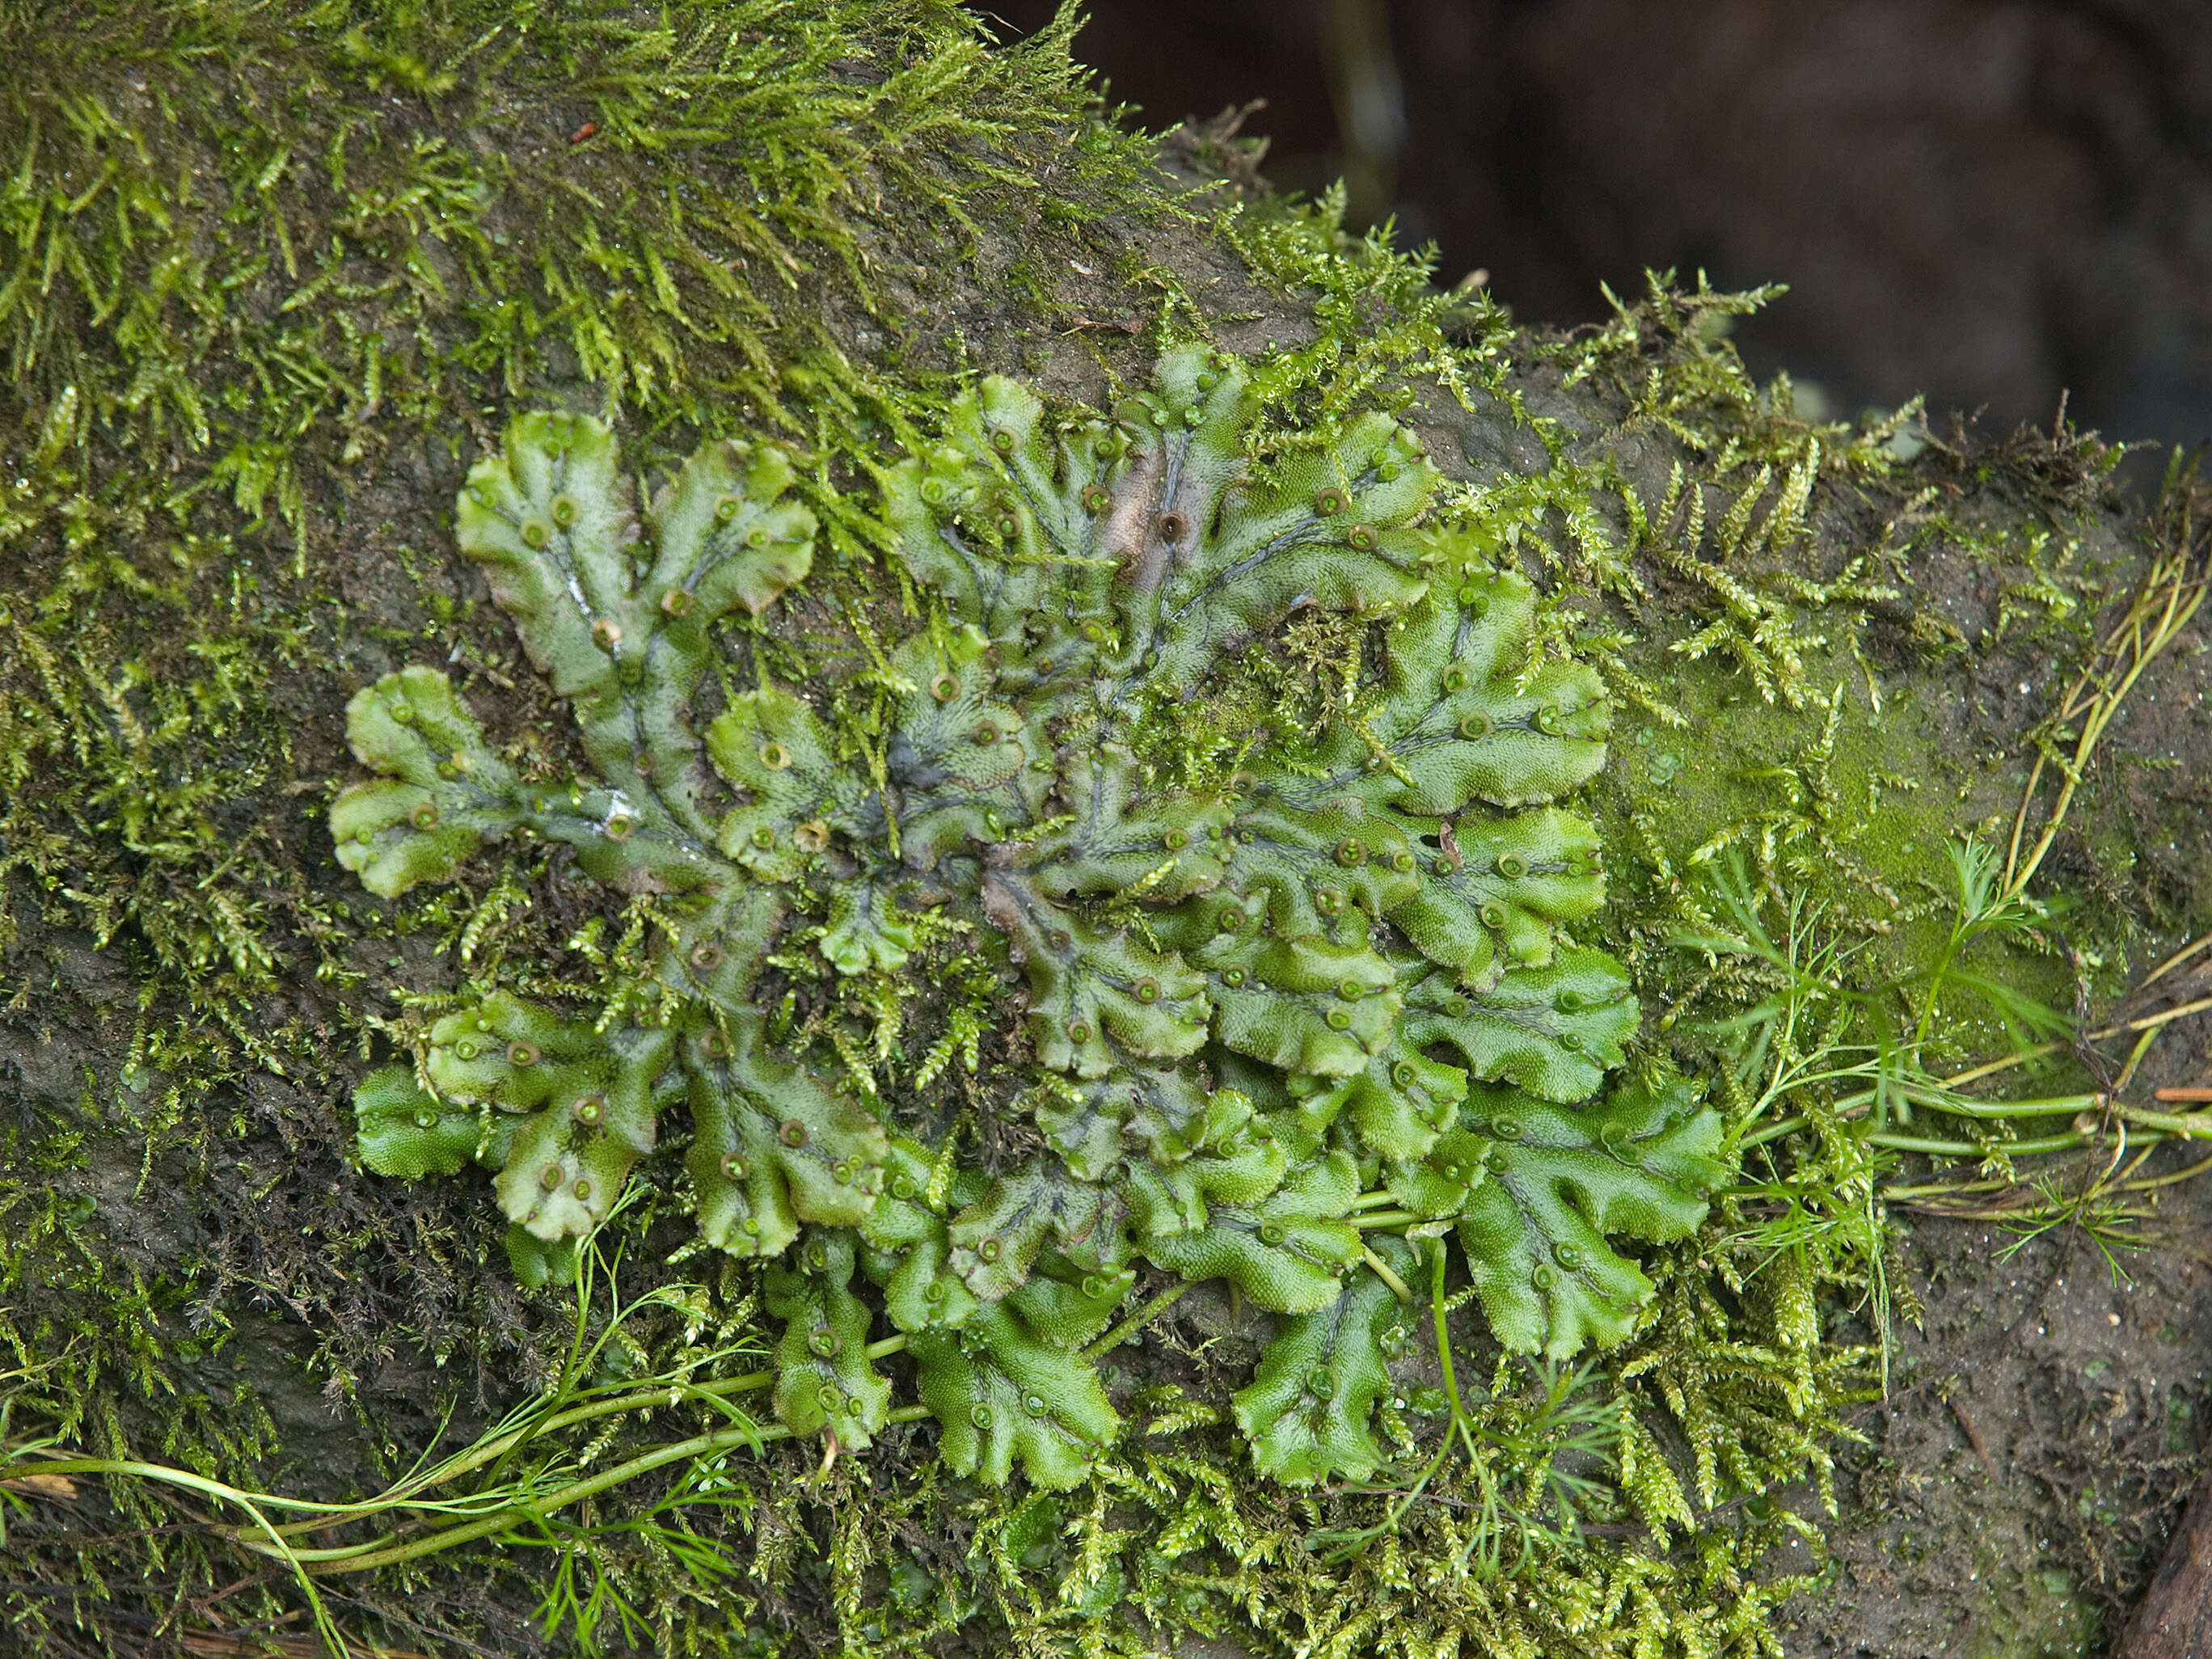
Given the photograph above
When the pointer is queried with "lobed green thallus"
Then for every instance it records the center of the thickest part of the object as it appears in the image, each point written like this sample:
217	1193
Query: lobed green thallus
1251	992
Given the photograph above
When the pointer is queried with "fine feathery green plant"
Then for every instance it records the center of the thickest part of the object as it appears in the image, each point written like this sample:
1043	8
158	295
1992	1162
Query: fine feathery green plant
511	1485
1066	933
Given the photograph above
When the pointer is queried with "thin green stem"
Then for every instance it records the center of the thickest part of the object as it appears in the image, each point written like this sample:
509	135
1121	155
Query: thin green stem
1896	1143
1137	1321
2181	598
1856	1106
1444	1349
357	1560
253	1503
491	1451
1385	1218
1382	1272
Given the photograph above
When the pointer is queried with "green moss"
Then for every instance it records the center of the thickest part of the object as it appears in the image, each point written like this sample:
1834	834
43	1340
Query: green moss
1358	898
270	267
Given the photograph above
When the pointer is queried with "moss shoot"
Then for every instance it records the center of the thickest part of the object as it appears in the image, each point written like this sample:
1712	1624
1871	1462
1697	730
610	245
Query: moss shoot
1299	876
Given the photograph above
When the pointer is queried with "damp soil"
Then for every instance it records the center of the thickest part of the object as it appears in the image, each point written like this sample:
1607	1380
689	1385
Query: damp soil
2044	1416
2046	1413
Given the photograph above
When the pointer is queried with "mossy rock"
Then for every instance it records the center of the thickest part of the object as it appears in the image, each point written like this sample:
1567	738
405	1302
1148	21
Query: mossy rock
300	299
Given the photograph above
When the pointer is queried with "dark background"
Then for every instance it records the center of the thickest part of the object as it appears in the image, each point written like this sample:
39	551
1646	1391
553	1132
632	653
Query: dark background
1985	201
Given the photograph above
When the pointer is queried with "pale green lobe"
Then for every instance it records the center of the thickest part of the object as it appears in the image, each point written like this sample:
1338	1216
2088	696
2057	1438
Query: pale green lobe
1305	1005
1309	1407
1462	719
948	506
1554	1030
408	1132
1435	1185
769	744
518	1055
581	1102
995	1239
1228	1121
773	1145
959	758
1559	1181
920	1290
824	1379
552	521
1092	1123
1322	531
1068	1304
443	792
1095	991
907	1246
1496	888
1304	1114
713	956
536	1263
866	930
1118	843
1005	1397
1315	862
1401	1103
1288	1252
1232	1155
723	534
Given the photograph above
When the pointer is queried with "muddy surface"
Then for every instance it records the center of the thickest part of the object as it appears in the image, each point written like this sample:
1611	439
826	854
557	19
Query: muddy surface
2046	1417
2014	1489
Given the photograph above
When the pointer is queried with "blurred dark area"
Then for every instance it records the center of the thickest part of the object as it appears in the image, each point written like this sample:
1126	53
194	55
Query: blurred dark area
1986	201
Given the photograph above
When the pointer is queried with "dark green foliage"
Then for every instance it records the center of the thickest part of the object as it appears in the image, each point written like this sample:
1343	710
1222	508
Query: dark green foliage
288	265
1308	1408
823	1377
1353	922
1557	1182
1003	1392
407	1131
